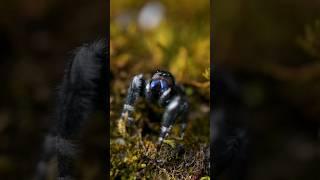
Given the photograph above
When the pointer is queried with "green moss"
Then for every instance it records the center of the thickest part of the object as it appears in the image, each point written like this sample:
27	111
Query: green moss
136	157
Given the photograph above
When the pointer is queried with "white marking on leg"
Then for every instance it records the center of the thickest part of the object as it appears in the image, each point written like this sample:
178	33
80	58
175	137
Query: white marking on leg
164	94
163	129
137	80
128	107
174	103
182	135
148	86
183	126
160	139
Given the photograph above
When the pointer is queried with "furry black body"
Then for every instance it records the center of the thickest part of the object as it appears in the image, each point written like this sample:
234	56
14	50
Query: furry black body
83	90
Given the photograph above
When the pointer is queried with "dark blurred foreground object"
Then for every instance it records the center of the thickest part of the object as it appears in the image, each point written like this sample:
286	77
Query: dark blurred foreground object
83	90
229	139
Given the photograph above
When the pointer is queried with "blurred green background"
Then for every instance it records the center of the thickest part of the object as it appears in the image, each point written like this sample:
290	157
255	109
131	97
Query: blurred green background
175	36
272	47
36	38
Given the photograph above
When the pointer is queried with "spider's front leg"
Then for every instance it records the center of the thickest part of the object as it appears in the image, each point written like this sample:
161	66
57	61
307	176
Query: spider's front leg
184	118
135	90
178	106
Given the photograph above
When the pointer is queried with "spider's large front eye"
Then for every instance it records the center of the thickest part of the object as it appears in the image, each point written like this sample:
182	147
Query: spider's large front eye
155	85
159	85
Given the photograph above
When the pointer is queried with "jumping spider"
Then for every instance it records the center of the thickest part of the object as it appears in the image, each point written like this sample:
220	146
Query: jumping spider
161	90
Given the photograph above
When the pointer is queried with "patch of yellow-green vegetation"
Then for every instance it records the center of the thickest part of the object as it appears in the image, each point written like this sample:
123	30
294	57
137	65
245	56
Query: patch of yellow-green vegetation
136	157
310	41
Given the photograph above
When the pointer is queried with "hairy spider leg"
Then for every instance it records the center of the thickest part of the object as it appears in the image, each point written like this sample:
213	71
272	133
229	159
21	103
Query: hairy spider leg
135	90
175	108
184	118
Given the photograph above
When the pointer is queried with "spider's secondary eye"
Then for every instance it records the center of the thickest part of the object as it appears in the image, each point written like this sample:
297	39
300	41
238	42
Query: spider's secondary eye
164	85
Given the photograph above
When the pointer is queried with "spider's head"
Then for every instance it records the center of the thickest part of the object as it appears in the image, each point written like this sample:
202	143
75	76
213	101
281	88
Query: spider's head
161	81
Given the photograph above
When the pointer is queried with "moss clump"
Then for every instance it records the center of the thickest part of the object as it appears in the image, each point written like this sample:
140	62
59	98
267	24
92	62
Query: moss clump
134	157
